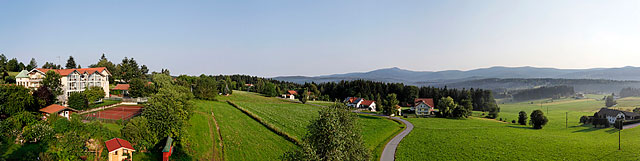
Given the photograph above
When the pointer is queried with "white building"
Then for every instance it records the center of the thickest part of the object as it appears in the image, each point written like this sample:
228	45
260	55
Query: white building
73	80
423	106
361	103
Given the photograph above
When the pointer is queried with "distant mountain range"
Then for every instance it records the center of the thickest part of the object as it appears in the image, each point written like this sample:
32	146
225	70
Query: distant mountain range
491	78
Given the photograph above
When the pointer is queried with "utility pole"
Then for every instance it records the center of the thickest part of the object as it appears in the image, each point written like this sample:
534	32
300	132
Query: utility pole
566	120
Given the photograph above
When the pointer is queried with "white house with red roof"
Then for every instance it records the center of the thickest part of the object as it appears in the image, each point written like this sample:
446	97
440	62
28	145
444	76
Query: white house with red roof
423	106
291	94
73	80
56	109
361	103
119	149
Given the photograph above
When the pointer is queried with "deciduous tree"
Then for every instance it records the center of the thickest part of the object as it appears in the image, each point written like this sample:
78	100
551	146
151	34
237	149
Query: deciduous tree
522	118
538	120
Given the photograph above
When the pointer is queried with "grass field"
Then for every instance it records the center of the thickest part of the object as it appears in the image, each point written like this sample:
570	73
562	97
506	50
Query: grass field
294	117
483	139
243	137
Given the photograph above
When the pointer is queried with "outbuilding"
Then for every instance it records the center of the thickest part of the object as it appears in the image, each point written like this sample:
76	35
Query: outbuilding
56	109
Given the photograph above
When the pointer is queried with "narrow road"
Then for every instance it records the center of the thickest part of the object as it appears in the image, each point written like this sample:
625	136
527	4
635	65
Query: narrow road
389	152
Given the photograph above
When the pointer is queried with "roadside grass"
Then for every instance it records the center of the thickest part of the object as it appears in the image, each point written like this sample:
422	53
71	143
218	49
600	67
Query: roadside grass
321	103
563	138
245	138
376	132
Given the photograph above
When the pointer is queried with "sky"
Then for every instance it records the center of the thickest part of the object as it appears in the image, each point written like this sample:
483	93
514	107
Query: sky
310	38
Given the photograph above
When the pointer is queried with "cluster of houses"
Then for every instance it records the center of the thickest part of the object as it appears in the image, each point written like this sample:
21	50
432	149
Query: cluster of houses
422	107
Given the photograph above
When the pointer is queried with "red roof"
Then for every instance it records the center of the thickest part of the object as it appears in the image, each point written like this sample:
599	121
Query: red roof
292	92
55	108
428	101
367	102
117	143
65	72
124	87
352	99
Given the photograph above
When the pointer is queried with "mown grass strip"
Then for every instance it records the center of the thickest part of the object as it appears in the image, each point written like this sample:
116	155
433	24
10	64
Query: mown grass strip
219	136
269	126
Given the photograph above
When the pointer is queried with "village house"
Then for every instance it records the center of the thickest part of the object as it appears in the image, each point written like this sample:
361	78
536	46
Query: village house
423	106
119	149
360	103
73	80
612	115
56	109
290	94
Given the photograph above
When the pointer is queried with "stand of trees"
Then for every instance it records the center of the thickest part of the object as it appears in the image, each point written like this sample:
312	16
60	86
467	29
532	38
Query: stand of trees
544	92
629	92
481	100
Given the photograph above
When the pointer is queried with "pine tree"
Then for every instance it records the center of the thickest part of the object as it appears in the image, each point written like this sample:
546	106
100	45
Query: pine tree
71	63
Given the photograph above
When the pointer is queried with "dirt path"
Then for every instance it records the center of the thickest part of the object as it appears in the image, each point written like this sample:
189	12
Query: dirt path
219	137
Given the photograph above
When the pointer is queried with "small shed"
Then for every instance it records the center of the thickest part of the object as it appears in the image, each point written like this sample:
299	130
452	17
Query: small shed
168	149
57	109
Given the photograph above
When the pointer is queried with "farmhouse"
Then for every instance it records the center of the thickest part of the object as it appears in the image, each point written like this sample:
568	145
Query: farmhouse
360	103
290	94
73	80
612	115
57	110
423	106
119	149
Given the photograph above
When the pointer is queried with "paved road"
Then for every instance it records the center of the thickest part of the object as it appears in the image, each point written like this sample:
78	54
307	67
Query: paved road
389	152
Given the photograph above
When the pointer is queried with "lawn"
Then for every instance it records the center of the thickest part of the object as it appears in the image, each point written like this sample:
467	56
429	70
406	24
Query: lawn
243	137
483	139
104	103
293	118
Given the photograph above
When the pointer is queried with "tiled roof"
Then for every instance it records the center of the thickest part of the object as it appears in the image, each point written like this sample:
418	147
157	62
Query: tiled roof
65	72
428	101
55	108
292	92
117	143
123	87
367	102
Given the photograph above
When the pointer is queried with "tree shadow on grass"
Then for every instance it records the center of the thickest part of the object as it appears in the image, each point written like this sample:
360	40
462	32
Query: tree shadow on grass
591	129
521	127
612	130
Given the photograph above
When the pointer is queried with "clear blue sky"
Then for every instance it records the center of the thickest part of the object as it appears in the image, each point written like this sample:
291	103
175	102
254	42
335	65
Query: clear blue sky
298	37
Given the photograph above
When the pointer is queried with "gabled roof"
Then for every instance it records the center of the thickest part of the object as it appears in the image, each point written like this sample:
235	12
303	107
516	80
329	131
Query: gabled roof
614	113
117	143
427	101
367	102
124	87
23	74
65	72
292	92
55	108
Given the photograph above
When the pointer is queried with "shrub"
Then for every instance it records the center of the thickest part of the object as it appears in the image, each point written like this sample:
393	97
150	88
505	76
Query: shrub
513	121
522	118
538	120
79	101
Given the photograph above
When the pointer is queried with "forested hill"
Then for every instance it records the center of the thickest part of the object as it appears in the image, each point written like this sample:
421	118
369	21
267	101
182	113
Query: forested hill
596	80
579	85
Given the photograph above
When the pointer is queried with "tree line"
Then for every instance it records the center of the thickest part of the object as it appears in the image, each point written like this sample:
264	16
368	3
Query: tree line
629	92
544	92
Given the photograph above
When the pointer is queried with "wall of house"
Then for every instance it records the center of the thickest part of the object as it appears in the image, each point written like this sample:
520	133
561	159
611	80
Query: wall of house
116	155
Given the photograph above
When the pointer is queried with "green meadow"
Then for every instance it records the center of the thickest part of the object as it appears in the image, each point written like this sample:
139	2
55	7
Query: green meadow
293	118
563	138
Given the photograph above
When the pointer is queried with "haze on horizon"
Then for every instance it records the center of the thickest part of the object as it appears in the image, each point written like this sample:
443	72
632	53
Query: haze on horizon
309	38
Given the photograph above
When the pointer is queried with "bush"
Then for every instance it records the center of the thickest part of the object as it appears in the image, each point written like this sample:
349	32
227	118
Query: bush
538	120
513	121
78	101
522	118
37	133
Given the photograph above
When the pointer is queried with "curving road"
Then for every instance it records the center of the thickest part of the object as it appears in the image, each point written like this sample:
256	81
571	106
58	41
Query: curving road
389	152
